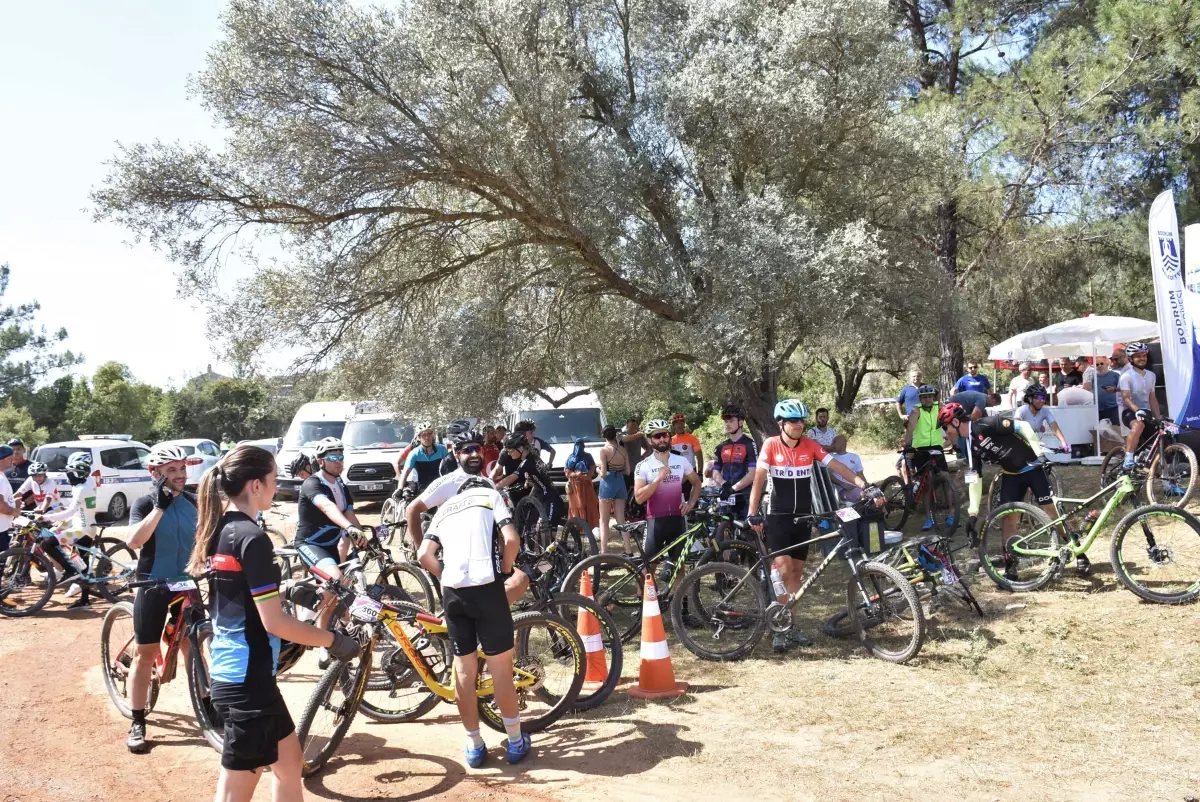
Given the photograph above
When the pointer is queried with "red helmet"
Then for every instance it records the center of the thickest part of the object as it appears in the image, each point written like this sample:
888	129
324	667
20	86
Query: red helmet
950	413
677	418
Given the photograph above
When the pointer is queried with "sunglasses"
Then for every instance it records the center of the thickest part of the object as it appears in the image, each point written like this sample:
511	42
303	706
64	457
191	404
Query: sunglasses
1040	397
793	420
660	436
470	450
334	457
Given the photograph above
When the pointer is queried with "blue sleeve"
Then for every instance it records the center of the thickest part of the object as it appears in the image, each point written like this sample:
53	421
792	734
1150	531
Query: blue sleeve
412	458
958	385
441	452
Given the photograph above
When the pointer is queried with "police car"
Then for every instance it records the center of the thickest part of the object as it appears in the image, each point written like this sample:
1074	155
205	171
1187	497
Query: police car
119	463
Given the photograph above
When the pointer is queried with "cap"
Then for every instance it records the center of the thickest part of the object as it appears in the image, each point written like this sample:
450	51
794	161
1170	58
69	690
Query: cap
5	452
16	441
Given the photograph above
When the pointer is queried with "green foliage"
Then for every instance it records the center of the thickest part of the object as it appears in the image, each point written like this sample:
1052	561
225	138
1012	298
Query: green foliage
27	353
17	422
114	403
876	426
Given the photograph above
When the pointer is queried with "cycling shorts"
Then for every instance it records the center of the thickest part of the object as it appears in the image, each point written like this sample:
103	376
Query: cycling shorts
660	532
785	532
151	607
253	732
926	455
1014	485
317	556
478	618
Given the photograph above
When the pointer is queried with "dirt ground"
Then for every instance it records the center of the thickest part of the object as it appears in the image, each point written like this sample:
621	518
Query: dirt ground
1077	692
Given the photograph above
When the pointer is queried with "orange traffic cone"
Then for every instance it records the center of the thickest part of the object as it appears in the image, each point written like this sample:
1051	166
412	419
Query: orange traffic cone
593	642
656	679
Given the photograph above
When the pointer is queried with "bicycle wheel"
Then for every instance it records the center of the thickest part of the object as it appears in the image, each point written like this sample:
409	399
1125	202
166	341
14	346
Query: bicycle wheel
117	649
331	708
1156	554
734	552
578	540
896	504
885	613
839	625
26	582
528	516
616	586
121	565
413	585
1012	527
550	650
942	503
570	607
212	726
994	486
728	618
395	691
1110	471
1172	476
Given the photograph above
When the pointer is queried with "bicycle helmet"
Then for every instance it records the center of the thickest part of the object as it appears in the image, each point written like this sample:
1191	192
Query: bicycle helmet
327	445
79	464
733	411
300	463
525	426
927	389
162	455
677	418
468	438
791	408
950	413
474	483
1136	348
1035	390
657	425
515	440
36	468
423	427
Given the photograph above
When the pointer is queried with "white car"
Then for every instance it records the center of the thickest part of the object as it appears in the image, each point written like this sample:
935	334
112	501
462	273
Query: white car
120	464
202	455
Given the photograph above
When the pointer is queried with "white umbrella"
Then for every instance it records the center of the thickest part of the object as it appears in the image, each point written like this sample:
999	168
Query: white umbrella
1097	331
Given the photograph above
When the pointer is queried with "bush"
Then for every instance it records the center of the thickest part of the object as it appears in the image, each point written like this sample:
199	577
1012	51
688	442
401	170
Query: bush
876	426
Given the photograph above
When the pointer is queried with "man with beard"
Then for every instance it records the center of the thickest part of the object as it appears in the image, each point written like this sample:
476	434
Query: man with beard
658	484
162	525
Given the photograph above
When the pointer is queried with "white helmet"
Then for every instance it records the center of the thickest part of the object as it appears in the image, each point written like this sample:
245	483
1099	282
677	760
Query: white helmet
79	464
161	455
327	445
657	425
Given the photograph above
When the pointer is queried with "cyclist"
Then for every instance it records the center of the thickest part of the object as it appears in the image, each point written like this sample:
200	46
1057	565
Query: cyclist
162	525
477	615
530	472
42	495
248	624
923	440
1138	399
1012	444
539	446
79	517
788	461
456	428
736	458
424	462
658	484
301	467
1035	412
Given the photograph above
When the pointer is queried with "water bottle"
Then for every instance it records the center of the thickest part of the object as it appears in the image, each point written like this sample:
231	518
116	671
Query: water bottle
77	561
1090	519
777	583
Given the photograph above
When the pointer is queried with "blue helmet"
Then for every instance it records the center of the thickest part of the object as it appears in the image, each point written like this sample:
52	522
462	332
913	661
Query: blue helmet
790	408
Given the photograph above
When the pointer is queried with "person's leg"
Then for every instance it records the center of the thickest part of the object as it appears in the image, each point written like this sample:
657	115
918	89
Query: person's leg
605	511
288	786
516	586
466	674
236	786
618	506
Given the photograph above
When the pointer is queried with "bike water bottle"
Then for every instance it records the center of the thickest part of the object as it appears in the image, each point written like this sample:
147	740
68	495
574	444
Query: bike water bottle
1090	518
777	582
77	561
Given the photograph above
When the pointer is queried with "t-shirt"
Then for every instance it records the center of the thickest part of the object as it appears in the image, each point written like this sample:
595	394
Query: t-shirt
313	525
790	471
668	497
1017	388
81	512
995	439
167	551
825	438
465	526
40	492
1069	378
972	384
848	490
1139	386
1106	387
1074	397
909	398
970	401
18	473
427	466
6	493
243	652
1035	419
736	458
443	489
686	445
637	448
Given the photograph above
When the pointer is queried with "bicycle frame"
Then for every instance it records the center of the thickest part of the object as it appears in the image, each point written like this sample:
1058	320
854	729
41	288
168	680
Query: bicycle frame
686	539
1123	487
33	543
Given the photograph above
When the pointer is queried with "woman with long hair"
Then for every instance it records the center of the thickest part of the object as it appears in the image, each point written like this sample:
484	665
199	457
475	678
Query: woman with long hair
614	463
248	623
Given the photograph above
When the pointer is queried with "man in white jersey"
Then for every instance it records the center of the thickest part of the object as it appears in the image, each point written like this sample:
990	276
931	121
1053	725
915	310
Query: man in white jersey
1137	397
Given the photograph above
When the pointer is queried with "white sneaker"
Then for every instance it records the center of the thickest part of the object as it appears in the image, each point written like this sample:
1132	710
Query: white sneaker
58	575
72	591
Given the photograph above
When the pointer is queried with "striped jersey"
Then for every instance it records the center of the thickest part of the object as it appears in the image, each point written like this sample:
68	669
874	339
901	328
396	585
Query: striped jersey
790	470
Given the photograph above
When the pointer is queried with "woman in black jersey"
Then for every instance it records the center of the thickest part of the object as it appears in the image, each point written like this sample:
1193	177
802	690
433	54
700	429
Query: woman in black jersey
248	624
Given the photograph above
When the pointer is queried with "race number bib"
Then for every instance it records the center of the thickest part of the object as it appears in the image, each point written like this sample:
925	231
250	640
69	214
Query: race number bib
365	609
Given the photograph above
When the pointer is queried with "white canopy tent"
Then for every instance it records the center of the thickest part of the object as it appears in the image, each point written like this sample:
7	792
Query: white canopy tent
1091	335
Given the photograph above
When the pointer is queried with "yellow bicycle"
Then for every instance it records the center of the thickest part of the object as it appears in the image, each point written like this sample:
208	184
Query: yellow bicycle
548	670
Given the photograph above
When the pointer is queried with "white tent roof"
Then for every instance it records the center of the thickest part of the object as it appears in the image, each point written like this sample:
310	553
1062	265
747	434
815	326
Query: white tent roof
1094	334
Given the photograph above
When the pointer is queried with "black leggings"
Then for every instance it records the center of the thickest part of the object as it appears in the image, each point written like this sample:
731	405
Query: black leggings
54	551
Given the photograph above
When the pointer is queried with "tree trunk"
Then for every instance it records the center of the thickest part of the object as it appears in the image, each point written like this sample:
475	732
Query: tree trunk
847	380
759	406
950	347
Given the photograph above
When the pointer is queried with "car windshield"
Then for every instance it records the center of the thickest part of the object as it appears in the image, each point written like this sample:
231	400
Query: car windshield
307	433
55	457
377	434
566	425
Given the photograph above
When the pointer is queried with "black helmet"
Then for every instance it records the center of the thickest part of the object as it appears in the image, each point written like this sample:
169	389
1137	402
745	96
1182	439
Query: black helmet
927	389
301	463
733	411
515	440
474	483
1033	390
470	437
525	426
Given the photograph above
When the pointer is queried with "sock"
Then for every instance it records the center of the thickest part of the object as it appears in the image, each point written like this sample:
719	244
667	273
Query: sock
475	738
139	716
513	727
1128	460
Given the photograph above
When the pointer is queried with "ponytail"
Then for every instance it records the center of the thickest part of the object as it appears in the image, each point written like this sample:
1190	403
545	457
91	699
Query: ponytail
227	478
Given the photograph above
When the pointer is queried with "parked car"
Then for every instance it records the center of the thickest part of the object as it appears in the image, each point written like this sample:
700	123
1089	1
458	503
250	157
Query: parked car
120	464
374	439
202	455
272	444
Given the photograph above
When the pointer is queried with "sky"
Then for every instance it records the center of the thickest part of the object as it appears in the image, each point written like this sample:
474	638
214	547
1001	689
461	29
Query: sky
76	76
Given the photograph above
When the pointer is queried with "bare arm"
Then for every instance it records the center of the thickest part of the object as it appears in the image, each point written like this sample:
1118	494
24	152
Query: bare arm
643	490
413	514
427	556
603	462
326	505
1154	410
850	476
284	626
512	546
756	492
912	426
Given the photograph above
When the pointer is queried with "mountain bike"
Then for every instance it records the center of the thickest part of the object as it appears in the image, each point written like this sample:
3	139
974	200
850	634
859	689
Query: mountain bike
28	576
187	622
547	678
1167	469
1021	549
1155	554
929	489
735	611
534	527
994	494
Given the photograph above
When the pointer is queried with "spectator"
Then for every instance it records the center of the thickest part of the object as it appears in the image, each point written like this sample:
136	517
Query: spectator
1120	362
1067	376
614	463
636	446
1042	378
1104	382
973	403
686	444
581	493
490	449
19	471
974	381
227	443
847	490
823	433
908	397
1016	387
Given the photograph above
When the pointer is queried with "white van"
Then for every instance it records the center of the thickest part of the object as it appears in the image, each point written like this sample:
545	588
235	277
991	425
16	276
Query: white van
313	422
374	438
581	416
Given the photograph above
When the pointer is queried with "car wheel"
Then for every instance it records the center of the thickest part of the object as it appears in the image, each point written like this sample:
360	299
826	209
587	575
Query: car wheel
117	508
